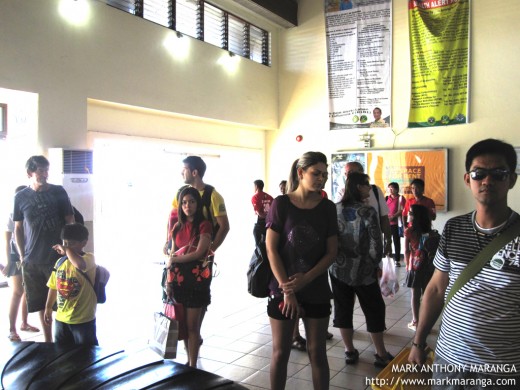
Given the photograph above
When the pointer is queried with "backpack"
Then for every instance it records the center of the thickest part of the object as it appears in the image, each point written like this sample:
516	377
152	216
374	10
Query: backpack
425	253
100	281
206	203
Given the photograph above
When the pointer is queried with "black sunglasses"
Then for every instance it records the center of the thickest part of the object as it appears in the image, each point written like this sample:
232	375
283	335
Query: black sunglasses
498	174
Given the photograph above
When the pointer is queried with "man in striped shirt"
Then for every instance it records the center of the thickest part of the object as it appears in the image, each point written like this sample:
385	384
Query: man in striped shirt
479	342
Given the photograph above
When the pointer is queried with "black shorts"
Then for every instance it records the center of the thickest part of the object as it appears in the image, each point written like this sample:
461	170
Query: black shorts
35	278
192	298
311	310
370	300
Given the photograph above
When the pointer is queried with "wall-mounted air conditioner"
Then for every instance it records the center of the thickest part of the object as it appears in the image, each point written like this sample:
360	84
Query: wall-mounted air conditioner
73	170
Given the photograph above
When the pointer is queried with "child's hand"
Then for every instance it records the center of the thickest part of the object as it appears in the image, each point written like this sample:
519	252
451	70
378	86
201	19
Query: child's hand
47	316
59	248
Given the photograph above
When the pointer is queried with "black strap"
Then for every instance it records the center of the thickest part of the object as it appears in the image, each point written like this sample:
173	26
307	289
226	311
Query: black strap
376	193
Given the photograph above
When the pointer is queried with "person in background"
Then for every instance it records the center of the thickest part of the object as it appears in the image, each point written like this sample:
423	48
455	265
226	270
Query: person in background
214	210
283	187
375	200
479	325
13	269
420	245
187	282
396	204
40	212
261	202
71	285
301	244
417	186
354	271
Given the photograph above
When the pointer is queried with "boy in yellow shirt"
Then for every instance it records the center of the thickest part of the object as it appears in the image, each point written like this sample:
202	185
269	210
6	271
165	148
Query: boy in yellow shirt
71	283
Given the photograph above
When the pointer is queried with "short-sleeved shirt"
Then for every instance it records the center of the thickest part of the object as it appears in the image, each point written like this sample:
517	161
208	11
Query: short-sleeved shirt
360	245
76	298
43	214
261	203
480	324
218	207
424	201
394	205
303	242
379	203
189	274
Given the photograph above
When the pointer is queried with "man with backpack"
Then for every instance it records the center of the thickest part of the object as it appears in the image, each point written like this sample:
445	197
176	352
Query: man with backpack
214	208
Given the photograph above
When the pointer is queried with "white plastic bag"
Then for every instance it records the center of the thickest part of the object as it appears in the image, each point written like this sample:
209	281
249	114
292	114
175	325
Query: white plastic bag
389	283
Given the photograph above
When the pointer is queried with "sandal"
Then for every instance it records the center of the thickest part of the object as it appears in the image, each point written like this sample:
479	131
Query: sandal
29	328
13	336
299	343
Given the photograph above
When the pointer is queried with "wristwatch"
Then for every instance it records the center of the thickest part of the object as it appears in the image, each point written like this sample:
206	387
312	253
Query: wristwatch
420	345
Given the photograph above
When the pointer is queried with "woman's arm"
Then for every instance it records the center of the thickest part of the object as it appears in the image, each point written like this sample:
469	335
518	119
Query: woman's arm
198	254
407	251
300	280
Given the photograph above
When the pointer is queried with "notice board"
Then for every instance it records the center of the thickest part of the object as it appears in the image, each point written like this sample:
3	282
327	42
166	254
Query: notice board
400	166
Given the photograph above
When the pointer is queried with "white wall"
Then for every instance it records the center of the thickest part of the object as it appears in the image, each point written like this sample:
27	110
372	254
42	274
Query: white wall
493	98
117	57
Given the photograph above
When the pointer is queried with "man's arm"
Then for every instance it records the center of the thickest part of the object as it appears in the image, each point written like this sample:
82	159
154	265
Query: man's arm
20	239
223	230
69	219
431	308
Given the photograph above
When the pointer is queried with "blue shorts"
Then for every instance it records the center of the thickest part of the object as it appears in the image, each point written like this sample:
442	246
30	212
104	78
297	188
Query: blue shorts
67	334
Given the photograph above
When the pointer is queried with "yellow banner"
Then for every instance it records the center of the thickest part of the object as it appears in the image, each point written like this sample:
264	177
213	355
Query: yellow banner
439	49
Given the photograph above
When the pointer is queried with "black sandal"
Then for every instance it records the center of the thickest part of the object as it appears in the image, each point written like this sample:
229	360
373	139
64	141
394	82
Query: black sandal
299	343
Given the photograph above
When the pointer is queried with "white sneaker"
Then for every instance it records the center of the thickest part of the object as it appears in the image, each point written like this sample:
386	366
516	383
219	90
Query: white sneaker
413	326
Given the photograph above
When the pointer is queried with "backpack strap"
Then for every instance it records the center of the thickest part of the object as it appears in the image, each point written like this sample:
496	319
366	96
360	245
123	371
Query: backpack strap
206	199
60	262
376	193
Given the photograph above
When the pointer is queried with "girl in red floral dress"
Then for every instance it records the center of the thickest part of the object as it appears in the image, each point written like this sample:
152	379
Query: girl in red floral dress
189	273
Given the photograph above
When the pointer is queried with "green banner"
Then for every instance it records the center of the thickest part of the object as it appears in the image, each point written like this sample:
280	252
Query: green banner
439	50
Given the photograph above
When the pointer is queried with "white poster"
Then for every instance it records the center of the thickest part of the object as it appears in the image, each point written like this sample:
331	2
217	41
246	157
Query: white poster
359	45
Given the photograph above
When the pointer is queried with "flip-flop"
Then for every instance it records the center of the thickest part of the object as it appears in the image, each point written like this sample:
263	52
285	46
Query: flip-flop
13	336
29	328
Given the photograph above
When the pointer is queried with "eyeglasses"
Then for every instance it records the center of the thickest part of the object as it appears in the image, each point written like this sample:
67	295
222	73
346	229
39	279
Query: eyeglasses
498	174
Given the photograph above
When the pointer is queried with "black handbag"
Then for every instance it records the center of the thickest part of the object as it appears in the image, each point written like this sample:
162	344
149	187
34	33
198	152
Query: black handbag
259	272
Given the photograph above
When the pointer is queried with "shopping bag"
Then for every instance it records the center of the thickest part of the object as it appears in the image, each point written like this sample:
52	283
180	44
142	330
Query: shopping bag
391	377
165	336
175	311
389	283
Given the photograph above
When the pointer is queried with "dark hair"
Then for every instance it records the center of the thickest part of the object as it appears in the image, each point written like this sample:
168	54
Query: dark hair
197	218
74	231
495	147
259	184
36	161
377	108
417	182
352	193
394	185
196	163
421	222
305	161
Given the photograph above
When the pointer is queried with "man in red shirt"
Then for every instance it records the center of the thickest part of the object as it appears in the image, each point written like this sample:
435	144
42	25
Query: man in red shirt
417	186
261	203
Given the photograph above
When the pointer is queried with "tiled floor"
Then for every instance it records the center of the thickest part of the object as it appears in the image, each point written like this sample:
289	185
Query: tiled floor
236	331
